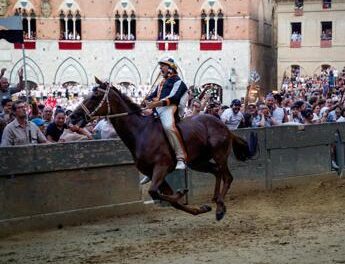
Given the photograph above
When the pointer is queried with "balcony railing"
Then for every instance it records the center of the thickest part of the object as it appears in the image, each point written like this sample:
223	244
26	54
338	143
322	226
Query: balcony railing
167	45
124	44
211	44
28	44
295	44
326	43
70	45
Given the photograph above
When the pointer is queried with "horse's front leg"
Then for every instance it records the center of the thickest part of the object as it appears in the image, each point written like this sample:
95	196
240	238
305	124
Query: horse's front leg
158	178
160	190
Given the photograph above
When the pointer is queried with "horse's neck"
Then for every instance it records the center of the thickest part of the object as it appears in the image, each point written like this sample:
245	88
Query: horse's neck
129	128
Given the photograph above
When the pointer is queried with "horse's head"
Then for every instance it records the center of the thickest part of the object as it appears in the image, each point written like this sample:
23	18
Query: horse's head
96	104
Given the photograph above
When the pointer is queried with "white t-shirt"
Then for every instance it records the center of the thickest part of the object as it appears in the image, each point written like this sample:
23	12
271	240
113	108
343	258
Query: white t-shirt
230	119
278	115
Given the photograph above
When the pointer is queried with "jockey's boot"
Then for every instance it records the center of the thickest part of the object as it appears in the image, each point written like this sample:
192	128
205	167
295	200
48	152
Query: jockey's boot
181	165
145	180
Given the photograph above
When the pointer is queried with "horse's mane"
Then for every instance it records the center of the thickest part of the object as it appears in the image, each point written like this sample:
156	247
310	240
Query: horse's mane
132	106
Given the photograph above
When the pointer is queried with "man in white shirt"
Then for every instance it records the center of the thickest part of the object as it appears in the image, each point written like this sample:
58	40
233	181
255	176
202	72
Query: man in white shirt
232	117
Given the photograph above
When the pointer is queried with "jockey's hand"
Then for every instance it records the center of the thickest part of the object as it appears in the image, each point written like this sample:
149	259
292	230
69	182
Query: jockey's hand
147	112
152	105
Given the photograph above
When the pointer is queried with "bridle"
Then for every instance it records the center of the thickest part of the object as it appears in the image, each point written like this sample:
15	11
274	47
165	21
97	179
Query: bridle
91	115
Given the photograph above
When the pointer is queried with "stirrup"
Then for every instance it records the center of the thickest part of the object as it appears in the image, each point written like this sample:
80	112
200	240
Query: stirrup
145	180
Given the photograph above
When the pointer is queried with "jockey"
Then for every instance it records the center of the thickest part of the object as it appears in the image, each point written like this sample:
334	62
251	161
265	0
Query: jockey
165	99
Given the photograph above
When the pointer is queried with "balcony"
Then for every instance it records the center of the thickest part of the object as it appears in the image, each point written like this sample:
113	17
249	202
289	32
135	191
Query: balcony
70	45
124	44
211	45
28	44
295	44
326	43
167	45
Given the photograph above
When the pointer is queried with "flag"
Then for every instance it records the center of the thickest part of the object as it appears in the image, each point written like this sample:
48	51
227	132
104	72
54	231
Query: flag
11	29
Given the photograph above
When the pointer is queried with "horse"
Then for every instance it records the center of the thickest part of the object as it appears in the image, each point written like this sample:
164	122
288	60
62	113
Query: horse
208	143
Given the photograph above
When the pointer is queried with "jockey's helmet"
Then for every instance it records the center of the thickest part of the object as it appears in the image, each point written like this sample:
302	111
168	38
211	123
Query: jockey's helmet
170	62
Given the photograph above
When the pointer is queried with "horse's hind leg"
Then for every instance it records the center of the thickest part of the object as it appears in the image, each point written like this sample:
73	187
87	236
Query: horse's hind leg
227	180
209	167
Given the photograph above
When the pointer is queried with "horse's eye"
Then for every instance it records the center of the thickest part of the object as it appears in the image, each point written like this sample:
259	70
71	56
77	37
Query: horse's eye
94	89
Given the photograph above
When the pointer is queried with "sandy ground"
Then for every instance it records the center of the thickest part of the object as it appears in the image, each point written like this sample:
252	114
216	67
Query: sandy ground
288	225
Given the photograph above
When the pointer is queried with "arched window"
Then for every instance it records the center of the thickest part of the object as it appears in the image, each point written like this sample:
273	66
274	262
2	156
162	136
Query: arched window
295	71
70	20
168	25
29	22
212	25
125	25
70	25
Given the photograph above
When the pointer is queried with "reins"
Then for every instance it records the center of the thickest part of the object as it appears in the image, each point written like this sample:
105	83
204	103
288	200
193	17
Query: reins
89	116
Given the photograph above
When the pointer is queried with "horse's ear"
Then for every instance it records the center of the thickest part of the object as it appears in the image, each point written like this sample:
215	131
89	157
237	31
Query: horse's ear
98	81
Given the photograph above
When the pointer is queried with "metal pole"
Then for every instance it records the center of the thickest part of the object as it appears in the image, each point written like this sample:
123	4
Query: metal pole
25	76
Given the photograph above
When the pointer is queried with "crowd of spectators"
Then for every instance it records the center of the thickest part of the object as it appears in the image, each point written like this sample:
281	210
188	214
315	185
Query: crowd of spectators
211	36
124	37
27	37
70	36
326	34
169	36
301	100
296	36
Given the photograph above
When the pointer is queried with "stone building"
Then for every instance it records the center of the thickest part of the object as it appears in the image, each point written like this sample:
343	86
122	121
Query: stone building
310	36
212	41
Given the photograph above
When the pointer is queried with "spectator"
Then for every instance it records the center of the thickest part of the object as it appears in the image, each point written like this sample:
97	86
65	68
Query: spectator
266	119
21	131
5	90
55	129
232	117
6	114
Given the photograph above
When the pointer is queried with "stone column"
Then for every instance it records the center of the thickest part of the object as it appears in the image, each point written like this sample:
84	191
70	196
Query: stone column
29	27
164	28
207	27
74	28
216	26
129	27
121	28
172	26
66	28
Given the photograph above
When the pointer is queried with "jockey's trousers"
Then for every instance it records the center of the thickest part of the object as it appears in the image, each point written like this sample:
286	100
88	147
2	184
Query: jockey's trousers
166	114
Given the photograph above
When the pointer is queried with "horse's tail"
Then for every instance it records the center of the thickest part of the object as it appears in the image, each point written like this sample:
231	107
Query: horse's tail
242	149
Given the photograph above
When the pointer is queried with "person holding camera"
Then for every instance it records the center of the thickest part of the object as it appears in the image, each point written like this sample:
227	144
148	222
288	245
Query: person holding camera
266	119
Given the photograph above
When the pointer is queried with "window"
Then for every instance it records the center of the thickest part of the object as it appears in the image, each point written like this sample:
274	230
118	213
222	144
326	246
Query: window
29	23
168	26
296	32
212	25
299	4
70	25
326	30
125	26
326	4
295	71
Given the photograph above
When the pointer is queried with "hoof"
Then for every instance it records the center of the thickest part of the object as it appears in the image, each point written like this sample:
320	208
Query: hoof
205	208
220	215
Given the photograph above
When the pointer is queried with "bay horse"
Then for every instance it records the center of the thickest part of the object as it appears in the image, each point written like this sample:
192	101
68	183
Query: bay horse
205	137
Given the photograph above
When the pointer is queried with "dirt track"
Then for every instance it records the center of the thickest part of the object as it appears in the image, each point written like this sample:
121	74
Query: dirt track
288	225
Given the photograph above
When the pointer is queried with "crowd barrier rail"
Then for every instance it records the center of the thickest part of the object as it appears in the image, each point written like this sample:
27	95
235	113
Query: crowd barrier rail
45	186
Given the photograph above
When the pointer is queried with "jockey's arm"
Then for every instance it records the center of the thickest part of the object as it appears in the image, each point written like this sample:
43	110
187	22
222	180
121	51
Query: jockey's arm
152	95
